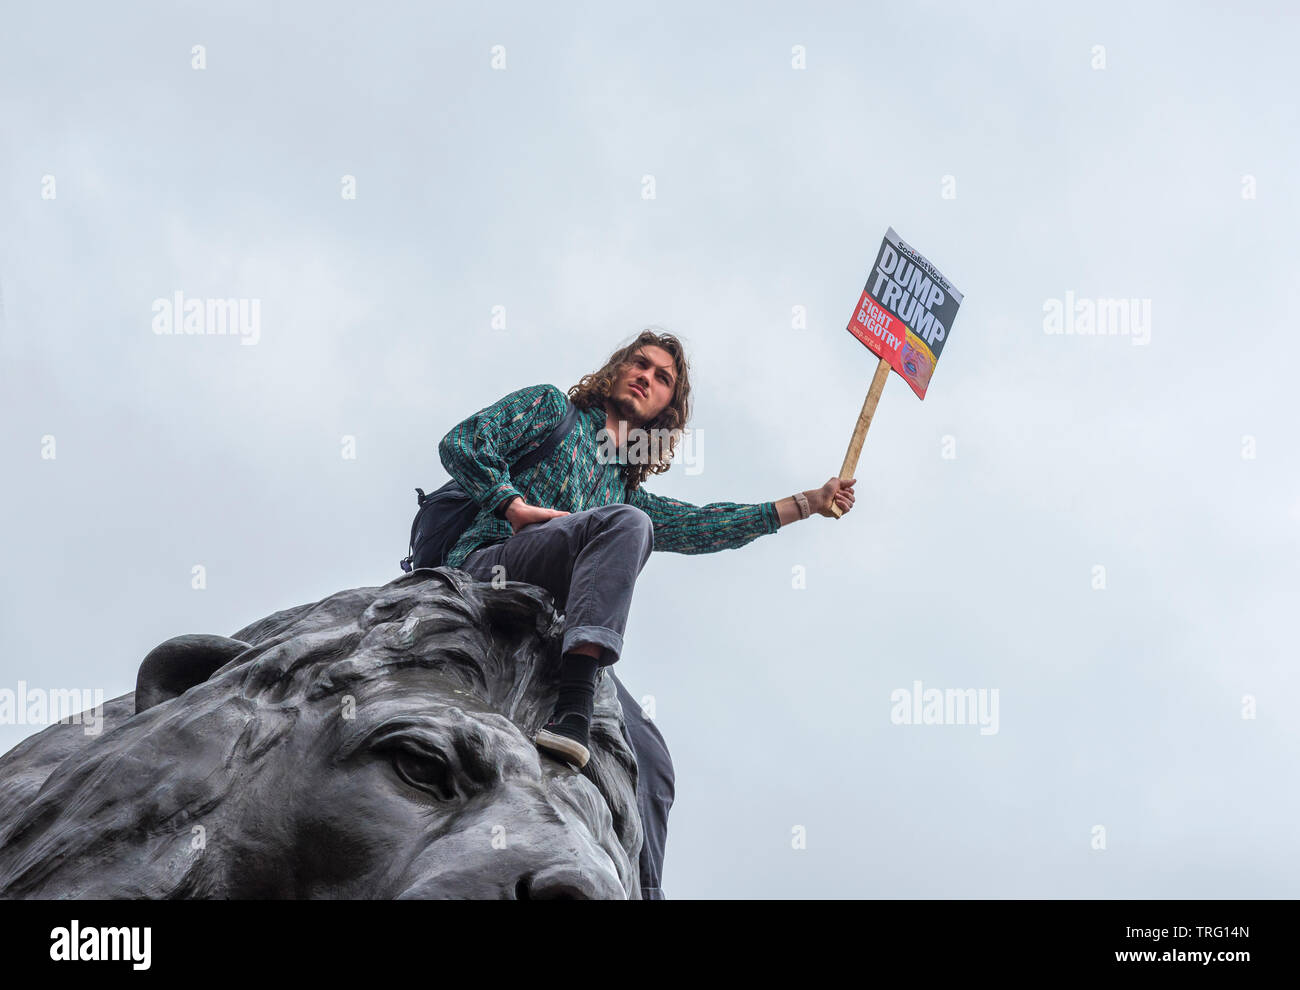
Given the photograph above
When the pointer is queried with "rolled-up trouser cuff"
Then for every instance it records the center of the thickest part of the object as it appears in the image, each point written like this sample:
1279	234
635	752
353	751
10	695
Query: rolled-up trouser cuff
611	643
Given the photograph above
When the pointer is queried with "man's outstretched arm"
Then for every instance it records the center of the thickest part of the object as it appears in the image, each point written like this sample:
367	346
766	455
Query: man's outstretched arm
680	527
820	500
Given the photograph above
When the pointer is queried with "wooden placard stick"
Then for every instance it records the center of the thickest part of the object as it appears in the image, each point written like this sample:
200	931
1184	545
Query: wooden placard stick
860	431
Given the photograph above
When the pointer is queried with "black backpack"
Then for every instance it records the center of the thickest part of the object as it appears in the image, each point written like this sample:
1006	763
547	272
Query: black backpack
444	515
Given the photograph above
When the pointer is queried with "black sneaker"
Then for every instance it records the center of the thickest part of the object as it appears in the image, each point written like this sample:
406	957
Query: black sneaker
566	739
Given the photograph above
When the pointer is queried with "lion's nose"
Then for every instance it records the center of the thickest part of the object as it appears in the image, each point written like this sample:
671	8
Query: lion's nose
565	883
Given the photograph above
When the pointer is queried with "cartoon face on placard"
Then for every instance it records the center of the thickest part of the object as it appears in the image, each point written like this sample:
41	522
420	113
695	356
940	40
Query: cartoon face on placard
915	364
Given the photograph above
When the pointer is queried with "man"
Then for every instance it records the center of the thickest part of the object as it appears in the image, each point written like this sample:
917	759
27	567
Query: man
579	524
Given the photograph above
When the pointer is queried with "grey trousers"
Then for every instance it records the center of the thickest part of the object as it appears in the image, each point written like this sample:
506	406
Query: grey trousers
589	561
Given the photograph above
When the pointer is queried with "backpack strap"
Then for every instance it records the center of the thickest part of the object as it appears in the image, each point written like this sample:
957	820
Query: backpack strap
562	430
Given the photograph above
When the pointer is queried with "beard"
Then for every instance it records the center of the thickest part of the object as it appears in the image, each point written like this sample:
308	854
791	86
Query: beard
625	409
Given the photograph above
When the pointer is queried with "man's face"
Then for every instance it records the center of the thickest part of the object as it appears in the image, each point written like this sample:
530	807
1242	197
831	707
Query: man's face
645	386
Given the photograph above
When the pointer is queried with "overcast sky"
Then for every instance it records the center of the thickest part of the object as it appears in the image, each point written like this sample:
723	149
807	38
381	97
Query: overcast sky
1121	151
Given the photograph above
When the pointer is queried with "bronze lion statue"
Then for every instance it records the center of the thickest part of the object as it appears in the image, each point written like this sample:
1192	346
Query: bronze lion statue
375	744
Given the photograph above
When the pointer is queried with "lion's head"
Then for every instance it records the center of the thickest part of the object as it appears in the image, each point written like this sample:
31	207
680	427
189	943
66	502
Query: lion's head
373	744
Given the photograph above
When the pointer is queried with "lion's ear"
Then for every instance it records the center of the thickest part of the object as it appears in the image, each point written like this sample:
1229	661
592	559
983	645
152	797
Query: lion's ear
177	665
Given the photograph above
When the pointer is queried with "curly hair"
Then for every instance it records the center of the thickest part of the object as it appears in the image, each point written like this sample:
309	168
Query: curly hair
594	390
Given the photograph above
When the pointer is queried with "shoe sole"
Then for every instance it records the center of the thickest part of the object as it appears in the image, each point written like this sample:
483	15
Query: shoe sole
572	750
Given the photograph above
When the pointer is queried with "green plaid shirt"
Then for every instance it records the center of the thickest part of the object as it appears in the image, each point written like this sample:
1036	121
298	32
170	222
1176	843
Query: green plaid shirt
478	453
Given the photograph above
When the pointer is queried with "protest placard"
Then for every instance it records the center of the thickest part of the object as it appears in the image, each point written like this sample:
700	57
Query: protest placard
905	312
904	315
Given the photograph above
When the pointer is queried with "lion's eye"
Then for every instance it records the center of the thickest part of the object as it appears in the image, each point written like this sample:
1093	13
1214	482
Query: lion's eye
427	771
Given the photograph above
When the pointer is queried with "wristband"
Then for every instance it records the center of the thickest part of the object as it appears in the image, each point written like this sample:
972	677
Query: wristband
801	500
